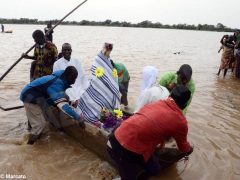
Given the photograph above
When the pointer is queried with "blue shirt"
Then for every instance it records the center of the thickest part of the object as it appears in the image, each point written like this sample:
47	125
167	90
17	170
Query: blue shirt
49	88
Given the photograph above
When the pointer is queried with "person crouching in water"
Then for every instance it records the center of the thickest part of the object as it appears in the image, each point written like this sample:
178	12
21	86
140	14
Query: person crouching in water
48	90
133	144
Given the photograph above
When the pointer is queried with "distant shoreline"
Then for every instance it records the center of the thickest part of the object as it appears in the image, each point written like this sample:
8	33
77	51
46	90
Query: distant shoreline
144	24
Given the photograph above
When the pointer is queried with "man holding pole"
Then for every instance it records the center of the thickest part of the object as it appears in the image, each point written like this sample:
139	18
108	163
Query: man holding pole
45	54
49	32
2	26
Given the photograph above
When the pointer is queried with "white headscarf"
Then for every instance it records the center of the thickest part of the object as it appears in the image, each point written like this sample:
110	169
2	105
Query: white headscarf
150	75
151	95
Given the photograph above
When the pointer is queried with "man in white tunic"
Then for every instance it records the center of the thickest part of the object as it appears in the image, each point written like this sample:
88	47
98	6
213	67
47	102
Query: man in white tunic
82	82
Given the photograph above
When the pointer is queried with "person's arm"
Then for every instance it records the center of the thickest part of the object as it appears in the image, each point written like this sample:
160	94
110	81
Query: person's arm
168	80
55	52
25	56
192	88
220	49
180	137
60	100
170	155
230	45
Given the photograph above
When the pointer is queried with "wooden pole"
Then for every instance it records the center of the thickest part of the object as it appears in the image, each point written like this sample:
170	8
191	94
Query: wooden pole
6	73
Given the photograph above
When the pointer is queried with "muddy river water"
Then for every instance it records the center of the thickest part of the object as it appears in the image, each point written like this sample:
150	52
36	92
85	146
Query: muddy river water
214	115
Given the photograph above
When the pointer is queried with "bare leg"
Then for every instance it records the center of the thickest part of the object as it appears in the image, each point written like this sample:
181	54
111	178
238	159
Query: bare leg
225	72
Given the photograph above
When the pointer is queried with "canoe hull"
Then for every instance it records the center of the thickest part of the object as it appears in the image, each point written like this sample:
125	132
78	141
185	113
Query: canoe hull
9	31
91	137
95	139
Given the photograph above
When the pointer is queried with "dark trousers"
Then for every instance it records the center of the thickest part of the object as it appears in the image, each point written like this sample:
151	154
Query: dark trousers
131	166
123	88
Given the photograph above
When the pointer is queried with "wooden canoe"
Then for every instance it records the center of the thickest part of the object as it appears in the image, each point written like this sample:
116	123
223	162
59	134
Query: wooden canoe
8	31
95	139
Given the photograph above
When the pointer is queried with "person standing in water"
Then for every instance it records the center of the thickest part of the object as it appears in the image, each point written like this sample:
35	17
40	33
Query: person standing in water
227	58
2	26
48	90
49	35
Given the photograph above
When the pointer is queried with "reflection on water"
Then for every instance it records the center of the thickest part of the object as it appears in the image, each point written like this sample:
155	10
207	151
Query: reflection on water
213	115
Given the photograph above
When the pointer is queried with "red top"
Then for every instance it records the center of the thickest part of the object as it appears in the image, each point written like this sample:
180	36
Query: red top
151	126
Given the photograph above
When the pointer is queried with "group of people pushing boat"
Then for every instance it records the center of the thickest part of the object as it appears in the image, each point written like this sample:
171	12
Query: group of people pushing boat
159	115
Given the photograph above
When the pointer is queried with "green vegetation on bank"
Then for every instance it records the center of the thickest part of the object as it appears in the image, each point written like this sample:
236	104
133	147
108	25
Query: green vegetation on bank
143	24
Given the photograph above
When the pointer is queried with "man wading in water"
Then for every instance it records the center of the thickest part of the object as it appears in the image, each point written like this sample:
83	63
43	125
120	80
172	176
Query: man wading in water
44	92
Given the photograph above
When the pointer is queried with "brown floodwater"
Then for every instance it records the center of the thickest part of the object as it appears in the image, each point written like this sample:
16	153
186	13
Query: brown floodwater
214	114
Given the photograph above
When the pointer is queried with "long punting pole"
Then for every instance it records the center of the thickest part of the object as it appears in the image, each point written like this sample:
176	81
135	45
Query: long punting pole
3	76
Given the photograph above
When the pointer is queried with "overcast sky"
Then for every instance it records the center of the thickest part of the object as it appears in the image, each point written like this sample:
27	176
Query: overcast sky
164	11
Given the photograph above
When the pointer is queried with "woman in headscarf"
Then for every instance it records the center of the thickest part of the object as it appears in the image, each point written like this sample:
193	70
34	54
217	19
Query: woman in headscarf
150	91
227	59
103	91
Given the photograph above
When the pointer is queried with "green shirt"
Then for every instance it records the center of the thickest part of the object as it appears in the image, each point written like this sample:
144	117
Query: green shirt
171	77
123	75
